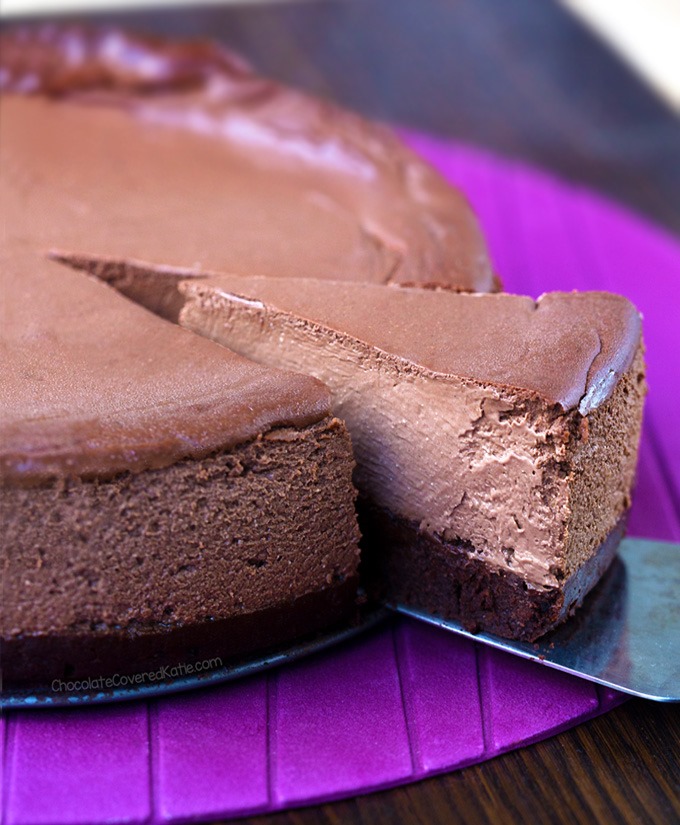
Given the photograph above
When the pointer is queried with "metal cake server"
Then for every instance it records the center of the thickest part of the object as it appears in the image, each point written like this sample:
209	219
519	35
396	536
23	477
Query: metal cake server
625	636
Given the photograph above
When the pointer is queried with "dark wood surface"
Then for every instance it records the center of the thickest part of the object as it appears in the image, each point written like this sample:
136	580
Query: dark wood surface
523	78
619	768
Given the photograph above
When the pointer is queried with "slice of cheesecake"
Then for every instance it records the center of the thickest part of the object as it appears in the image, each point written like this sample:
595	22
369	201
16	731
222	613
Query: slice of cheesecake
495	436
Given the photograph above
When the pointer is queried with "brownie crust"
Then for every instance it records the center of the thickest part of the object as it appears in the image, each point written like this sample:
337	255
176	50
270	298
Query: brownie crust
403	565
38	661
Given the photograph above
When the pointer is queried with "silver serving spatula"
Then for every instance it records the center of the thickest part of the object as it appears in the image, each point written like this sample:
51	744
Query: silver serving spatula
625	636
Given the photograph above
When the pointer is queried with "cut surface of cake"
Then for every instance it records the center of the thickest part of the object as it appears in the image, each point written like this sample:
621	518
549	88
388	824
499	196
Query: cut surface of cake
495	436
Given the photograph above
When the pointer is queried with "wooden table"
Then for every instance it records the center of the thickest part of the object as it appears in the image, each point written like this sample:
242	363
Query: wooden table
526	80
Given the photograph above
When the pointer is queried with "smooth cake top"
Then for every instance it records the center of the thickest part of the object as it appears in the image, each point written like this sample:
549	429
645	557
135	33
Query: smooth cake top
92	384
178	153
568	348
133	148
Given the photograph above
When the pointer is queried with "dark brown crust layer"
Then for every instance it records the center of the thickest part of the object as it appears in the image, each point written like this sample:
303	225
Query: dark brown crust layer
33	661
402	565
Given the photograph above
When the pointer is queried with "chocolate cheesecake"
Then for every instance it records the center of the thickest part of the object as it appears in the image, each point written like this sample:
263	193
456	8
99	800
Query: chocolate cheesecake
495	436
166	499
163	499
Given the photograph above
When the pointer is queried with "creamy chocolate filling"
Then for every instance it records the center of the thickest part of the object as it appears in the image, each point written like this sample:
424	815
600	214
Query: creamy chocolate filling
469	415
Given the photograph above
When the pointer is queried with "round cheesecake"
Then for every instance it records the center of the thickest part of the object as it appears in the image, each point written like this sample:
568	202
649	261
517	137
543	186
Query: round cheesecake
166	500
